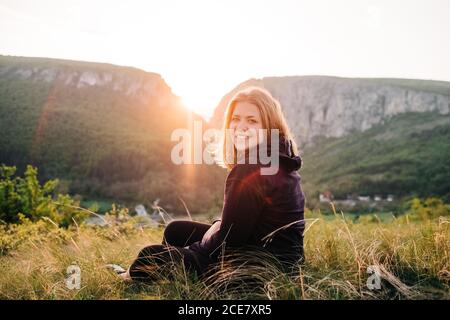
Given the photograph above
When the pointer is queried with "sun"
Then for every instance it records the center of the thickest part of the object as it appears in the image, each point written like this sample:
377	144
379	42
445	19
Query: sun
201	107
199	97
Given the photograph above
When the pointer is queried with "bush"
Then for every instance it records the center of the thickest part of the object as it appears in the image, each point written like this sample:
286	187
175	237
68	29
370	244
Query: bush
24	195
26	231
426	209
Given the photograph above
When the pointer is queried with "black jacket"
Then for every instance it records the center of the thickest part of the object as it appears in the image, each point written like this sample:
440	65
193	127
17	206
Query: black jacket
266	211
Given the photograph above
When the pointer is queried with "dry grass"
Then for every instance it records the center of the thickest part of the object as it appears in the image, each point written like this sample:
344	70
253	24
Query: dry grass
412	258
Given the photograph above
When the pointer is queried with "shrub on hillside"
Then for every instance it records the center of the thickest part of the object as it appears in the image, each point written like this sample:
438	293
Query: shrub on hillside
425	209
26	196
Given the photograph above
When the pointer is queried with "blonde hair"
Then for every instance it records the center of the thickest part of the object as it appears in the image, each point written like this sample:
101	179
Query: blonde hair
271	116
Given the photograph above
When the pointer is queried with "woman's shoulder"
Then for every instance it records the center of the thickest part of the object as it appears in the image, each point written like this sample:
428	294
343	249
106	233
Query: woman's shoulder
251	174
245	169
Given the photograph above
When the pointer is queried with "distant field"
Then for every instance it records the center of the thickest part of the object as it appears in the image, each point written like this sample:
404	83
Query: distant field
101	205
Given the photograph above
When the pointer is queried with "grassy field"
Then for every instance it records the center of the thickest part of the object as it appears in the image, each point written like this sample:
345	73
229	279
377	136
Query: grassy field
410	252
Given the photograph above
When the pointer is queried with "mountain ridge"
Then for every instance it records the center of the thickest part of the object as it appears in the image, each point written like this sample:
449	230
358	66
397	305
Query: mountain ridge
107	134
104	130
356	103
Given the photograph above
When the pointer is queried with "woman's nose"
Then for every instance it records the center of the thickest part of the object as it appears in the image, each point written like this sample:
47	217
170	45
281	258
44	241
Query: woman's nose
242	127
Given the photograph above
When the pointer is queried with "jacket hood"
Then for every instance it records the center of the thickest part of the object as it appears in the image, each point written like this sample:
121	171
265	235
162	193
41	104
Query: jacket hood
287	159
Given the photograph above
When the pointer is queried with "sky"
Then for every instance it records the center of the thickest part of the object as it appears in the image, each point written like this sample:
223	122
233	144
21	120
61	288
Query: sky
203	49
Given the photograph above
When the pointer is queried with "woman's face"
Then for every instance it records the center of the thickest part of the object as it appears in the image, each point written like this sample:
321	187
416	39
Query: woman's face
244	125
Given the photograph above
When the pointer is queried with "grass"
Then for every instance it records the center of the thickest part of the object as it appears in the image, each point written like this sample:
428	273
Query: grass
412	257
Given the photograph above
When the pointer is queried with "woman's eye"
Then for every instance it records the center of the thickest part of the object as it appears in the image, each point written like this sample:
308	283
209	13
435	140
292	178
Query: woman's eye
234	119
252	121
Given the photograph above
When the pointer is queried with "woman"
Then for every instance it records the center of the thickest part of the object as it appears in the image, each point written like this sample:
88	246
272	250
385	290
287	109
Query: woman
261	211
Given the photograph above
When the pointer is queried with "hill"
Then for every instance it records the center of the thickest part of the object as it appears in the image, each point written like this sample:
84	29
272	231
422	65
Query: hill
104	130
365	136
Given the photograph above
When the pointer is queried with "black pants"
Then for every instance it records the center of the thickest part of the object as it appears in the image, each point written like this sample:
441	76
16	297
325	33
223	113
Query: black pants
158	259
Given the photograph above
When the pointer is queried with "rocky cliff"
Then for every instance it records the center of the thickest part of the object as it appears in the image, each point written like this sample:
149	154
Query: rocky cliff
102	129
139	86
334	107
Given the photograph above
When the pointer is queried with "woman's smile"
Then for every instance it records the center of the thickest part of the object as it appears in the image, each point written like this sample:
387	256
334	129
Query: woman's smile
241	135
245	122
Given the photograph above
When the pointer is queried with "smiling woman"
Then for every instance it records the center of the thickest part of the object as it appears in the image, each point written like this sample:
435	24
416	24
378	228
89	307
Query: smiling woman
245	122
260	212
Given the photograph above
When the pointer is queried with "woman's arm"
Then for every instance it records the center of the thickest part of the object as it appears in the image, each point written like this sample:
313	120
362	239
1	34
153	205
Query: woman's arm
243	203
